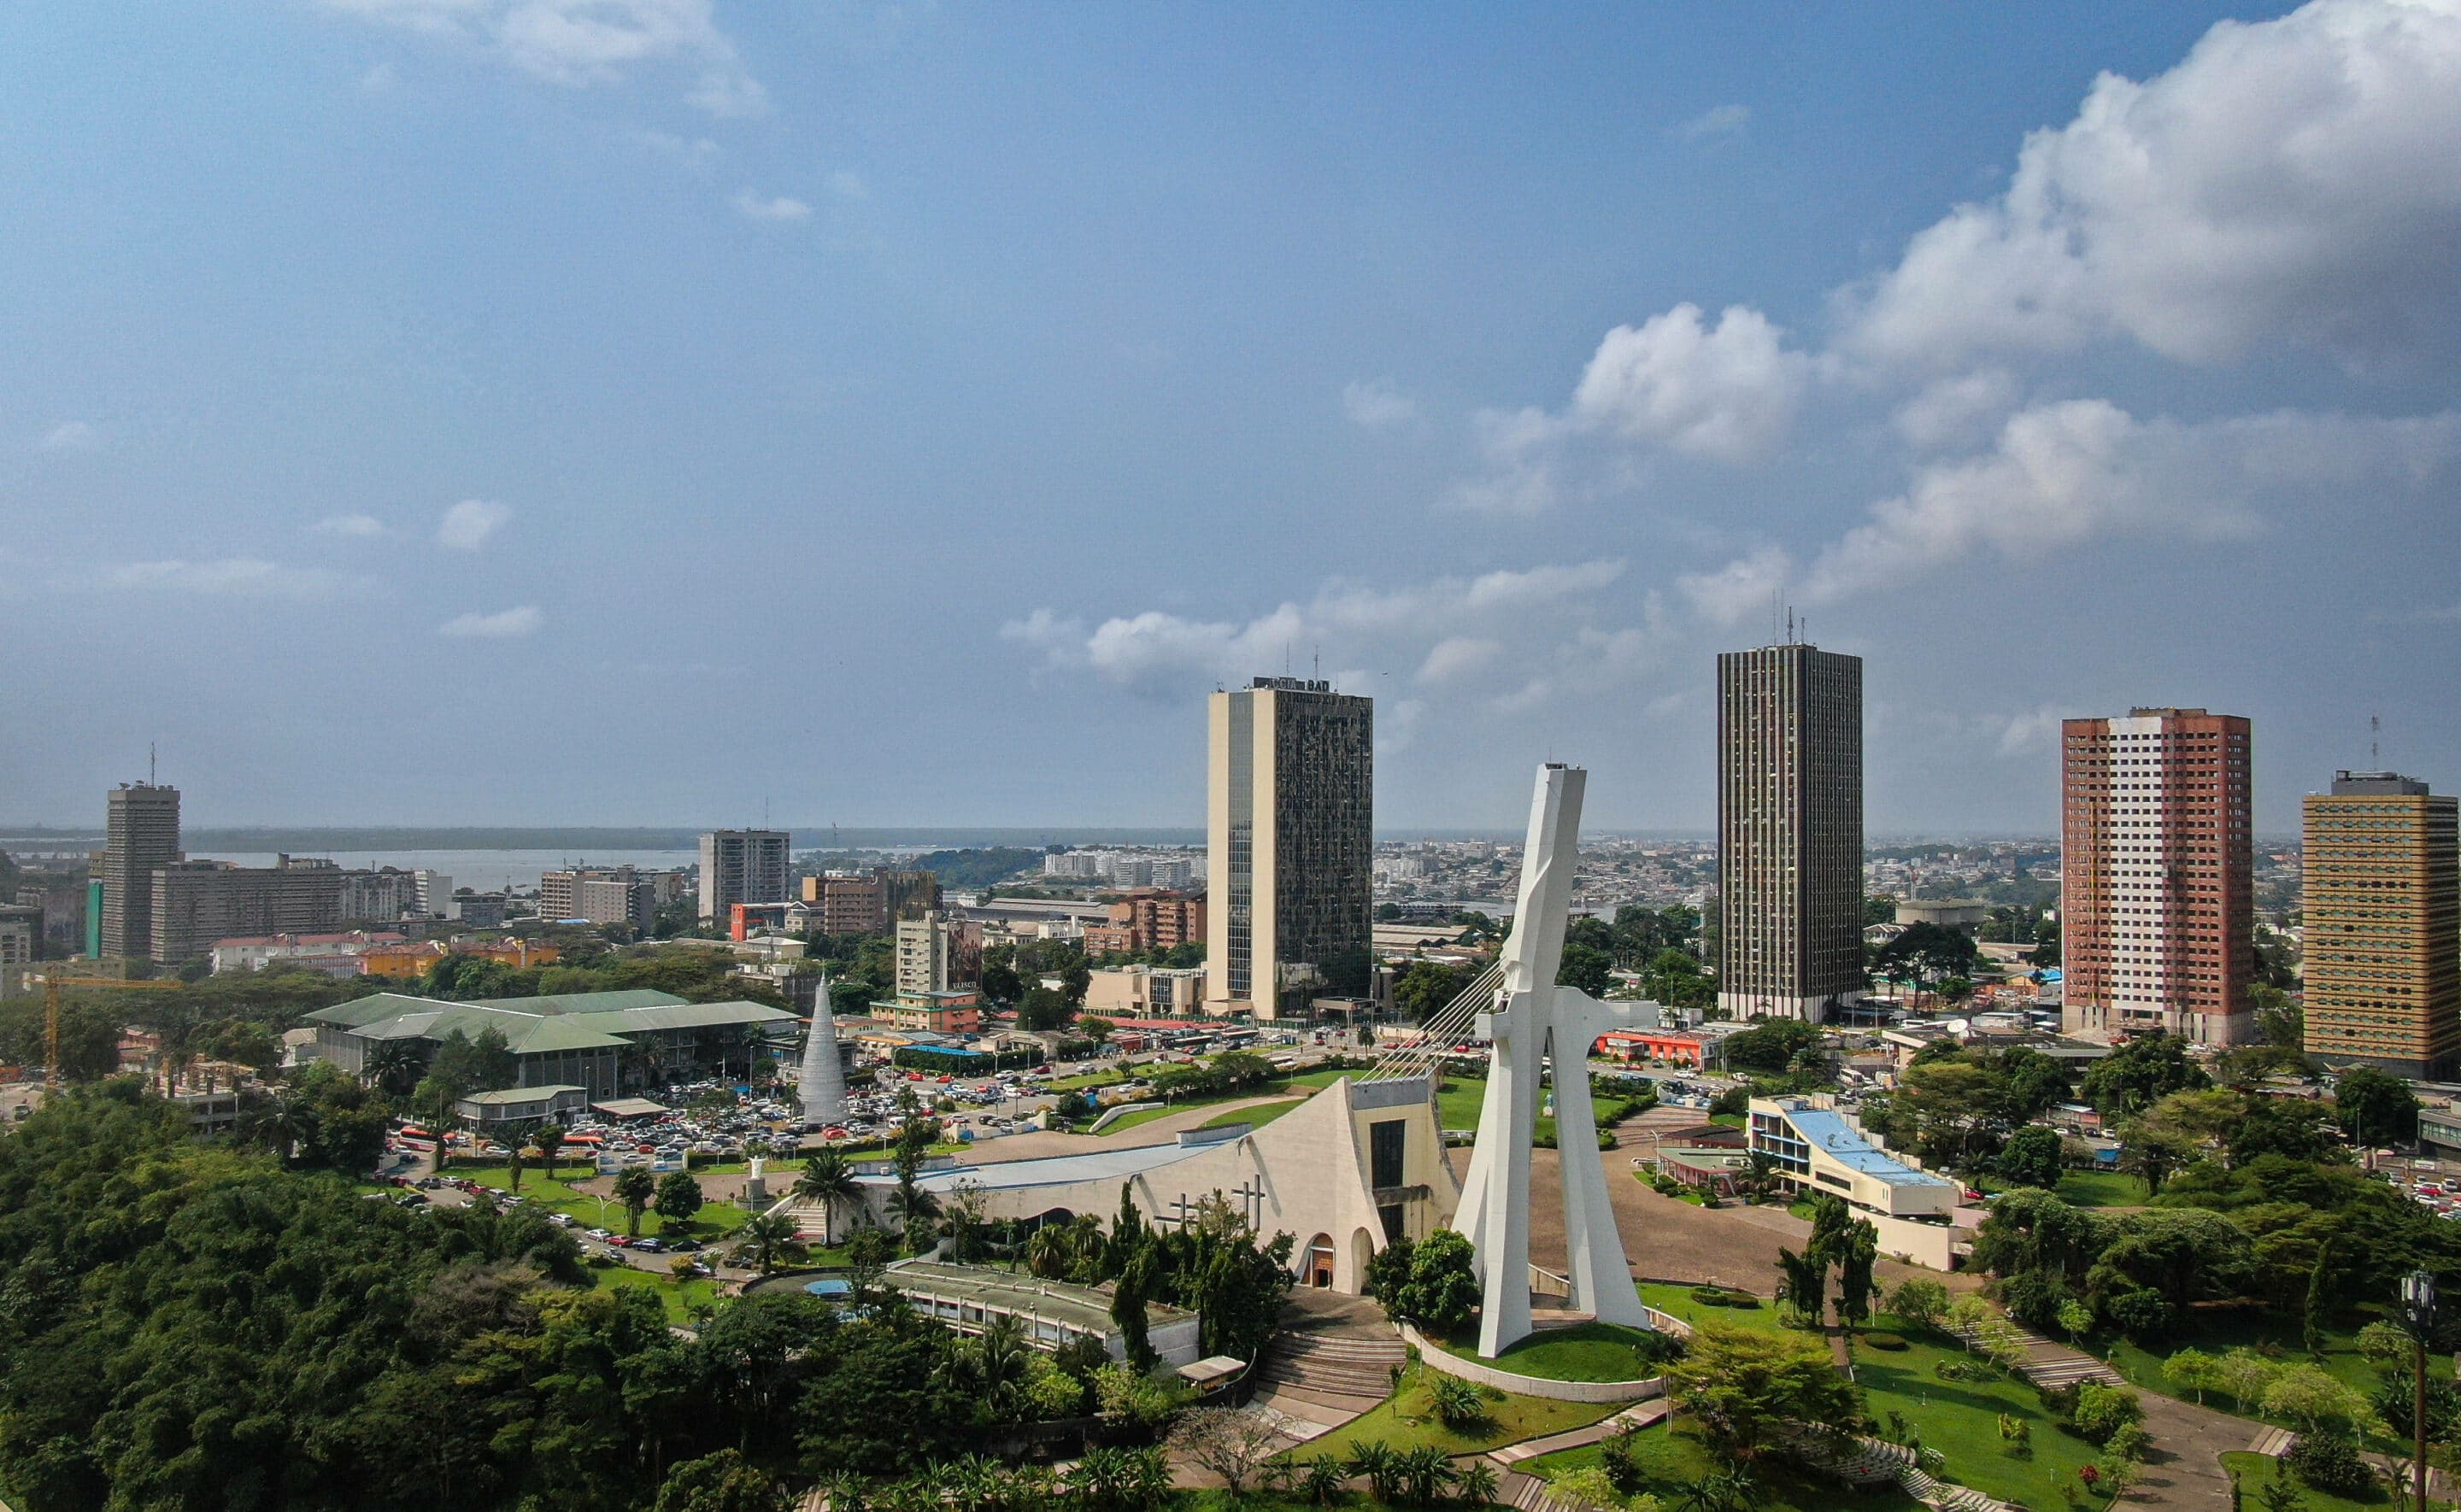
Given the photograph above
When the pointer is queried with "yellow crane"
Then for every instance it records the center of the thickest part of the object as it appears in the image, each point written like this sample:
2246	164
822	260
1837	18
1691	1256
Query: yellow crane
53	980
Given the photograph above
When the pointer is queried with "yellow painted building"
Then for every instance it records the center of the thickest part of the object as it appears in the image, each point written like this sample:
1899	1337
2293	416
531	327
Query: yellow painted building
2383	934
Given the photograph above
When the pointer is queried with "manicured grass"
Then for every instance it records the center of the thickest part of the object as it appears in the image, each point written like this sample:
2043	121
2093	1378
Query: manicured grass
1259	1117
681	1300
1732	1121
2279	1336
1672	1460
2101	1189
1256	1500
1405	1420
1678	1301
1961	1418
1591	1351
1092	1079
713	1218
2256	1471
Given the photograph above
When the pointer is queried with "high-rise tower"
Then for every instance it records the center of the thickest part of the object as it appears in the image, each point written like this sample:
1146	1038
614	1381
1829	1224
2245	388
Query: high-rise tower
140	833
2382	902
1790	831
1291	827
2157	903
741	866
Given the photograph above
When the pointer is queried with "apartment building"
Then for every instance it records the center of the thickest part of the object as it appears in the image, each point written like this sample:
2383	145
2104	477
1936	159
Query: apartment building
741	866
196	902
938	953
2381	903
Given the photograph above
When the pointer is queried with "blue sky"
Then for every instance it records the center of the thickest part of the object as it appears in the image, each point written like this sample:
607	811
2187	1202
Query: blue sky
639	410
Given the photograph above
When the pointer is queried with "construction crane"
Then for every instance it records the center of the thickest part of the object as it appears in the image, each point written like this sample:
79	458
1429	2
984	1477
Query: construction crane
53	982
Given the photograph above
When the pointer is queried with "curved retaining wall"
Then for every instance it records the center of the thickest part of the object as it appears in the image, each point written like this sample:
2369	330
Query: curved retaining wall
1118	1111
1438	1359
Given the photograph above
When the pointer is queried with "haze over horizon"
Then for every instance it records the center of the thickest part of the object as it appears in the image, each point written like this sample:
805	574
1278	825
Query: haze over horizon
416	415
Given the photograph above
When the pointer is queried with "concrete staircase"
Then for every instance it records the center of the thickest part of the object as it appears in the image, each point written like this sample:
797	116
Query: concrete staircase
1333	1365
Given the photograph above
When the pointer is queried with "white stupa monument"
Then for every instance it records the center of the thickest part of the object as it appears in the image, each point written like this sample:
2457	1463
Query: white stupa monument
823	1079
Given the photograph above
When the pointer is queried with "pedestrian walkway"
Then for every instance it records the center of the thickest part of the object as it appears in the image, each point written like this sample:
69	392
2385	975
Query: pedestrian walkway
1642	1416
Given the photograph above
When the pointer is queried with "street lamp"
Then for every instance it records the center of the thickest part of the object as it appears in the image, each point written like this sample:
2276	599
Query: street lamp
2418	1315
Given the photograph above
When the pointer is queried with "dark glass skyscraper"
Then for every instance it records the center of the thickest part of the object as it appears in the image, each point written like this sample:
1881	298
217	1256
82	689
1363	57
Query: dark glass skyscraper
1290	828
140	835
1790	831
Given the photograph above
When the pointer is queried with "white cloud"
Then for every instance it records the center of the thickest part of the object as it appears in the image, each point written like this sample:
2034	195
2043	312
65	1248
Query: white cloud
356	527
70	436
1726	392
1377	405
467	525
2277	184
2064	474
695	154
1718	120
587	42
1958	410
779	208
1748	585
2032	731
847	184
504	625
1396	627
377	80
1456	655
228	577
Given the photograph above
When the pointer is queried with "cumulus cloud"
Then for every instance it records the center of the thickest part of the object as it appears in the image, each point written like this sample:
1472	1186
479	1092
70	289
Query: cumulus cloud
227	577
587	42
695	154
356	527
1456	654
2064	474
1718	120
504	625
1409	626
1377	405
1958	410
2278	184
778	208
467	525
1726	392
70	436
2031	731
847	184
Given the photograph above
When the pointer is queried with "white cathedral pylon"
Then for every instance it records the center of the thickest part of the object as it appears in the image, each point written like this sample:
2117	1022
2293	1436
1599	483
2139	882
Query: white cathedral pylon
1531	1012
824	1079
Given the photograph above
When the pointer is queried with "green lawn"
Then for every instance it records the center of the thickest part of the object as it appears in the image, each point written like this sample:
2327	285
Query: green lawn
1259	1117
1672	1461
1678	1301
1405	1420
2089	1189
680	1300
1091	1078
1961	1418
712	1219
1591	1351
2256	1471
2216	1332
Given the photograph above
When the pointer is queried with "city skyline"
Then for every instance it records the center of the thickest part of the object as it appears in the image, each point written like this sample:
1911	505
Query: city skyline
1566	392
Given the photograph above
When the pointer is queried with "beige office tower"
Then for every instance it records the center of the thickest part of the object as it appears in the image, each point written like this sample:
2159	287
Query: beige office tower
2383	909
1790	831
1291	787
140	835
741	866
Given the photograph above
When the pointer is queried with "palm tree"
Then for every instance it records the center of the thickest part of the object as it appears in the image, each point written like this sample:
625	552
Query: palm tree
549	1135
281	1121
635	1189
393	1066
515	1134
915	1209
764	1234
1477	1482
1379	1465
828	1179
1424	1473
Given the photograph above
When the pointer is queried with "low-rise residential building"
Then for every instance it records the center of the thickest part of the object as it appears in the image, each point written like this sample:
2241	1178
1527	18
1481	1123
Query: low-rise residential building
522	1104
419	957
1145	991
950	1012
846	904
21	932
340	954
1633	1046
1819	1149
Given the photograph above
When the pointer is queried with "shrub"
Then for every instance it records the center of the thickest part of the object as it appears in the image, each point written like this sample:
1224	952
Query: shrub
1459	1405
2130	1442
2330	1462
2102	1411
1623	1466
2142	1313
1920	1301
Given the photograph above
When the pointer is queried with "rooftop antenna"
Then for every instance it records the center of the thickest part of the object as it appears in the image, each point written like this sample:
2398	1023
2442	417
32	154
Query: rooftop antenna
1316	663
149	763
2375	726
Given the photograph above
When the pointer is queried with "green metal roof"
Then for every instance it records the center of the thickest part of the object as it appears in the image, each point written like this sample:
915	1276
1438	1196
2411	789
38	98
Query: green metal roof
586	1002
363	1010
526	1033
681	1016
521	1094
